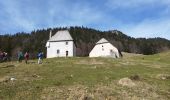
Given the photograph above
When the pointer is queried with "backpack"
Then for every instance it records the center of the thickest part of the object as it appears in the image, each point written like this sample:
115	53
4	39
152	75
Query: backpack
39	55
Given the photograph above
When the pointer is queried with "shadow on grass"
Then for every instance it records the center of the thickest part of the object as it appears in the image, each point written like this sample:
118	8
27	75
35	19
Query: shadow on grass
8	66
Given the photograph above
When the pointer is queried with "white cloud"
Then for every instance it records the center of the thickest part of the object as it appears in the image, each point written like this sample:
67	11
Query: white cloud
15	18
149	28
21	16
74	14
124	4
30	16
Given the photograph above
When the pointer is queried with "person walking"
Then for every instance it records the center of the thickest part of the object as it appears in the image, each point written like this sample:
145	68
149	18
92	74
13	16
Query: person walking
40	57
1	56
20	56
26	56
5	58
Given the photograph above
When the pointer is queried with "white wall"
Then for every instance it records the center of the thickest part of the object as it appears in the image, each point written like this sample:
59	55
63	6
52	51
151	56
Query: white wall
103	50
62	47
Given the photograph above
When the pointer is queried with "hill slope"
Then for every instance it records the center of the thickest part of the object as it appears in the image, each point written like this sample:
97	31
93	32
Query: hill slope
84	38
133	77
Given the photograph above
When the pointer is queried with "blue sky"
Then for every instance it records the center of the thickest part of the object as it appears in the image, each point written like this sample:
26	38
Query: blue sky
137	18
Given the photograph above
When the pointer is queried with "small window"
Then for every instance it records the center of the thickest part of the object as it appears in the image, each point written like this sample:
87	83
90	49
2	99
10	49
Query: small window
66	43
111	50
58	51
102	49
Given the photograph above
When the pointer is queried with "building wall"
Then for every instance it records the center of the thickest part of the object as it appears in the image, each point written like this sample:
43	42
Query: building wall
104	50
58	49
74	50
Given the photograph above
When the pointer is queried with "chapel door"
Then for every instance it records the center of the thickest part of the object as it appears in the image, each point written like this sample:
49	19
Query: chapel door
66	53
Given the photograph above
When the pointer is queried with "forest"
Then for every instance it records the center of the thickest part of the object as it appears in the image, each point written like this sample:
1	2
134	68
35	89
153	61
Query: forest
84	39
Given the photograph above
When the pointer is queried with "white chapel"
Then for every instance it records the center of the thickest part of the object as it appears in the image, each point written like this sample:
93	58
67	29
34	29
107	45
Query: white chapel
60	45
104	49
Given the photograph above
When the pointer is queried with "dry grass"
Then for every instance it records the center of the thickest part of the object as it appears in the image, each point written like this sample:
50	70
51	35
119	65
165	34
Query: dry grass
88	79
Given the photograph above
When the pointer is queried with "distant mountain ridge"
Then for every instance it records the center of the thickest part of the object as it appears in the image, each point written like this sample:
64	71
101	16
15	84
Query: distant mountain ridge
84	38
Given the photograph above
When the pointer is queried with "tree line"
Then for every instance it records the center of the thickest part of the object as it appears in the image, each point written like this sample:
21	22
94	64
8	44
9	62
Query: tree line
84	39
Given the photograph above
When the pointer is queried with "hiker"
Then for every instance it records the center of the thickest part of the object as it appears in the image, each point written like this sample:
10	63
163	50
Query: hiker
20	56
1	56
5	56
26	56
40	56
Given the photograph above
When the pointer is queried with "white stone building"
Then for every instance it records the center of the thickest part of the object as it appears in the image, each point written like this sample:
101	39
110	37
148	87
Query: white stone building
104	49
61	45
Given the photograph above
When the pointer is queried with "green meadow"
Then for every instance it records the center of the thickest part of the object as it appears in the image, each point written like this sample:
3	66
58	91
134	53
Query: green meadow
83	78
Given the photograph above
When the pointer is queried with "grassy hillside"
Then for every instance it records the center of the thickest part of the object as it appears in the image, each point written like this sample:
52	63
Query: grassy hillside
133	77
